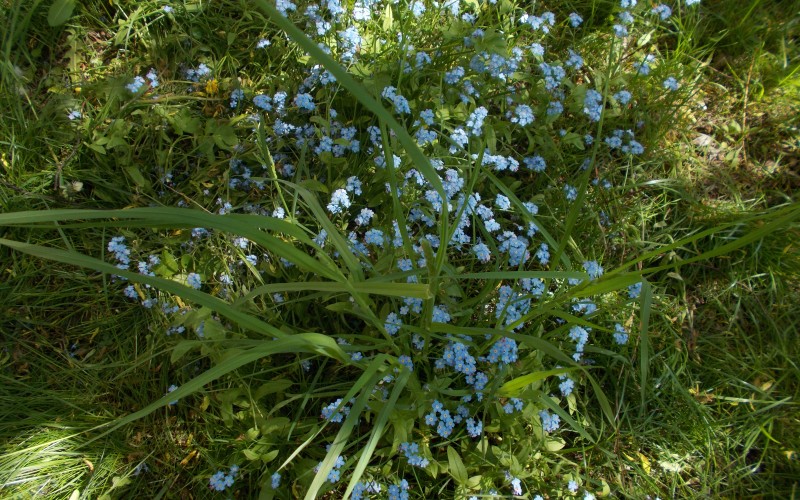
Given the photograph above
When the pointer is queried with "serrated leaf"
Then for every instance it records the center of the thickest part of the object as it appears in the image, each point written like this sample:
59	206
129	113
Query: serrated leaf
388	18
60	11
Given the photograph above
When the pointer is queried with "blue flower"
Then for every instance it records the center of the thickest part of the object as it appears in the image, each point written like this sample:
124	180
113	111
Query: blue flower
516	247
643	67
236	96
474	429
572	486
570	192
263	101
333	414
446	424
482	252
535	163
566	387
623	97
593	105
285	6
553	75
392	324
671	84
374	237
620	334
516	486
120	250
411	452
194	281
523	115
575	61
137	83
431	418
453	76
475	121
220	481
339	201
575	20
406	361
555	108
305	102
350	41
550	422
504	351
662	11
363	218
422	58
425	136
440	314
276	480
502	202
634	290
594	269
398	492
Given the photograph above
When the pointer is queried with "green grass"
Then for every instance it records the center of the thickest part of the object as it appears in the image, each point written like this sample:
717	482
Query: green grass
702	402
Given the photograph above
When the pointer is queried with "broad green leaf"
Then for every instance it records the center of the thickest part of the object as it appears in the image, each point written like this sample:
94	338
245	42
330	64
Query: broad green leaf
60	11
513	387
456	466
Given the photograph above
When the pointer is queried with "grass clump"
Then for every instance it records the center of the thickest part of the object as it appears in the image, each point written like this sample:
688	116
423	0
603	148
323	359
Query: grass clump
425	249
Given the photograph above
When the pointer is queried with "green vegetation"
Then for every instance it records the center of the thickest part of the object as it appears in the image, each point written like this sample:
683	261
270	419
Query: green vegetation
416	249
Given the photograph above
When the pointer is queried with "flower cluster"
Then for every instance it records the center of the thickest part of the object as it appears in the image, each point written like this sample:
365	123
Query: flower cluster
220	481
411	452
335	473
334	413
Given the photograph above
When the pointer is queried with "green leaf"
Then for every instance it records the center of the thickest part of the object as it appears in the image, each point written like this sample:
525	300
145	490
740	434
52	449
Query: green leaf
136	175
644	341
182	347
388	18
457	469
269	457
513	387
271	388
60	11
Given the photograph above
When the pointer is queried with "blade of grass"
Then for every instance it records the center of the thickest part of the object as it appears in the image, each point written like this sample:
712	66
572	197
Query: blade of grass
377	431
646	303
314	343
